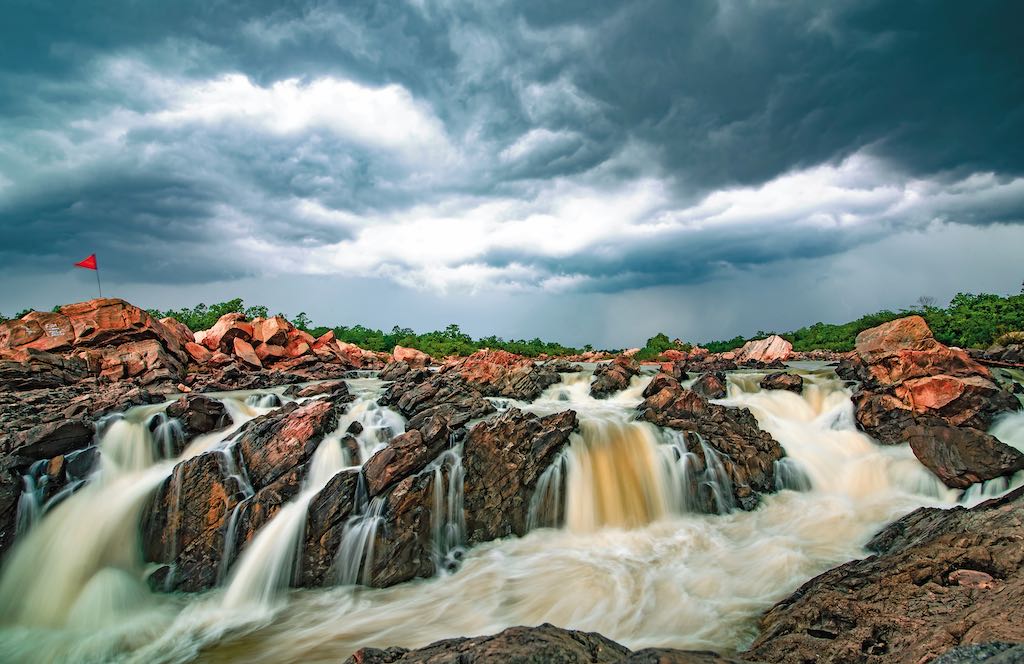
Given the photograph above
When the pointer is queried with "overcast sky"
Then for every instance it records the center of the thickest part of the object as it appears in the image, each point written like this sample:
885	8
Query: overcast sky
575	170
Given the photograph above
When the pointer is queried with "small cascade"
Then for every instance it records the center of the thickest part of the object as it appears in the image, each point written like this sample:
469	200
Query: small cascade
173	523
30	502
354	561
269	400
697	481
168	436
547	505
231	527
789	474
447	519
268	564
377	425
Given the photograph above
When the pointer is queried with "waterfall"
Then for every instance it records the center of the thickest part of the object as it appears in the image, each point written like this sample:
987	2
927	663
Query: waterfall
353	563
31	499
268	564
168	435
270	400
447	519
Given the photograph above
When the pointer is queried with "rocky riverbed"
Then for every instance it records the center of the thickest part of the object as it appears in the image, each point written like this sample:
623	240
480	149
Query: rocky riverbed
178	488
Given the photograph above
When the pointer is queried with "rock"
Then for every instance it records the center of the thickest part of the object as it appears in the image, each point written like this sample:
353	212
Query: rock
257	510
111	322
38	330
613	377
183	525
503	458
198	353
53	438
31	369
772	349
273	331
660	381
711	385
199	414
245	352
180	331
326	517
962	456
395	370
406	454
270	353
403	548
228	327
918	596
334	387
274	443
903	334
533	645
989	653
148	361
783	381
673	355
500	373
747	453
420	394
412	357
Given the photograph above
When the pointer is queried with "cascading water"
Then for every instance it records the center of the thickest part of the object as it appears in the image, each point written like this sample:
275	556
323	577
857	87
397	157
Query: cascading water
268	564
686	580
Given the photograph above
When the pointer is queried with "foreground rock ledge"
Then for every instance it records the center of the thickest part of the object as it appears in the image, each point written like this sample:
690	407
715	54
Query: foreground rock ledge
939	579
534	645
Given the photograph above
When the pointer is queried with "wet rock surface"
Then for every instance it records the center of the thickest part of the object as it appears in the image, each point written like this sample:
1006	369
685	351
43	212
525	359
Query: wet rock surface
613	377
711	385
783	381
748	454
198	415
938	579
906	374
961	456
533	645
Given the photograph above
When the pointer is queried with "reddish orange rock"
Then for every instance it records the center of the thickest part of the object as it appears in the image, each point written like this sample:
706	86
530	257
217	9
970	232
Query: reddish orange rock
413	357
198	353
227	328
273	331
245	352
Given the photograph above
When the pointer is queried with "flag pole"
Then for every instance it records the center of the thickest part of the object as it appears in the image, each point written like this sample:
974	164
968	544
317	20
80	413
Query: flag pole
98	281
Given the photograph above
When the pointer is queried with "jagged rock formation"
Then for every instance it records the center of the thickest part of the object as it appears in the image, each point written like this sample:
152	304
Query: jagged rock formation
937	579
613	377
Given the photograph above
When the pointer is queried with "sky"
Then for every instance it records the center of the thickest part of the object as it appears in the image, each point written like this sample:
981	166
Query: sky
582	171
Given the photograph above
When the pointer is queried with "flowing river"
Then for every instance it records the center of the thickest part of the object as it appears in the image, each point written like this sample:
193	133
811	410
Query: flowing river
617	548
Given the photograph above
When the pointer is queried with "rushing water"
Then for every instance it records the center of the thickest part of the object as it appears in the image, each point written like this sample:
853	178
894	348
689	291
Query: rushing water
634	538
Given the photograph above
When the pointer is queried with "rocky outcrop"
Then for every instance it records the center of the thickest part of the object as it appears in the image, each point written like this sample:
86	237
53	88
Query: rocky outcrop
183	525
783	381
326	517
274	443
406	454
499	373
747	453
765	351
961	456
613	377
31	369
51	439
420	394
533	645
907	375
199	414
711	385
937	579
416	359
503	459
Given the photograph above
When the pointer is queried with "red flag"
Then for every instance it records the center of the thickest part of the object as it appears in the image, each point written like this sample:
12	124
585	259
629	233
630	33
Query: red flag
88	263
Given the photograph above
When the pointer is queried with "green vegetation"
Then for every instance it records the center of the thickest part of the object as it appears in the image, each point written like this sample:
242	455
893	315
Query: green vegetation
450	341
970	321
658	344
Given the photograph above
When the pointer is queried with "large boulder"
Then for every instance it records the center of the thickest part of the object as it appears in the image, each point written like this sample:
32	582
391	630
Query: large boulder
937	579
711	385
228	327
907	375
613	377
783	381
183	525
274	443
29	369
747	453
148	361
326	517
766	351
406	454
180	331
500	373
38	330
52	438
961	456
411	356
503	460
199	414
273	331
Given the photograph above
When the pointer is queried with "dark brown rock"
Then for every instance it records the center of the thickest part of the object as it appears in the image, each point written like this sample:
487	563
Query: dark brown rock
273	444
184	522
613	377
783	381
326	517
711	385
503	459
747	453
406	454
53	438
199	414
915	598
961	456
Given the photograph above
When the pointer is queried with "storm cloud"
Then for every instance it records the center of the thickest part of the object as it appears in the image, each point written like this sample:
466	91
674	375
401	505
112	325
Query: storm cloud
576	152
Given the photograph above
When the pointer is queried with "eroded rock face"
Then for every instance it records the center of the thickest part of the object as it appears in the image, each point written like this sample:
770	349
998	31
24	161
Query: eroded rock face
766	351
274	443
504	374
711	385
199	414
326	517
183	524
907	375
938	579
783	381
421	394
406	454
961	456
613	377
533	645
748	454
503	459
